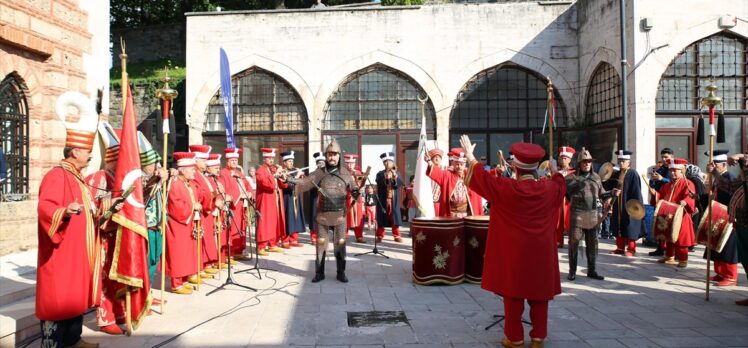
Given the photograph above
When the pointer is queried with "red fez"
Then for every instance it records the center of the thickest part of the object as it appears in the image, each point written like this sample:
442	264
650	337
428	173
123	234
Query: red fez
350	158
526	155
566	151
232	153
436	152
679	163
184	159
200	151
214	160
268	151
457	154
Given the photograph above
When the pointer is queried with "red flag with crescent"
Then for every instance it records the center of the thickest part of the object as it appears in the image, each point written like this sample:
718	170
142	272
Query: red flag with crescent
130	265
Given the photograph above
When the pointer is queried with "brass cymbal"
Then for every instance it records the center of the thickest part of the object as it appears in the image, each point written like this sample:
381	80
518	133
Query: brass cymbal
605	171
635	208
544	166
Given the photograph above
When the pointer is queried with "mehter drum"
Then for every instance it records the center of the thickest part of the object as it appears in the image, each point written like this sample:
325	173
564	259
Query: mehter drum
476	232
438	250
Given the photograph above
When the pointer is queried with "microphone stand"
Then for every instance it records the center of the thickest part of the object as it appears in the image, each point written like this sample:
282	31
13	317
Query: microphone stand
258	216
229	218
375	251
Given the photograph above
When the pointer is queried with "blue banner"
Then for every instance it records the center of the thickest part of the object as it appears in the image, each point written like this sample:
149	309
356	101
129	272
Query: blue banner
226	95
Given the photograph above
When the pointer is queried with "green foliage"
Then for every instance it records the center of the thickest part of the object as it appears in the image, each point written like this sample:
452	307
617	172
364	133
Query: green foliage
148	74
402	2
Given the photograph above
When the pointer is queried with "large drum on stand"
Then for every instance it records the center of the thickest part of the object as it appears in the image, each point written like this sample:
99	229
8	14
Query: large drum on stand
438	250
476	232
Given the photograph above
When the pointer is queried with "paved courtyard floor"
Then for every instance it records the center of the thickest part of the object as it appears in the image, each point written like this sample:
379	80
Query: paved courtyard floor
640	304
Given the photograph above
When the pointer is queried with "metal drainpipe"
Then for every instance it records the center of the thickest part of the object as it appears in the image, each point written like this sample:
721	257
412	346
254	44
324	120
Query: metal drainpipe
624	73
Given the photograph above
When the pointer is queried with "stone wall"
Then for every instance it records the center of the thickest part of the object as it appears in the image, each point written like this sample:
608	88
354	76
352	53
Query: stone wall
150	43
49	46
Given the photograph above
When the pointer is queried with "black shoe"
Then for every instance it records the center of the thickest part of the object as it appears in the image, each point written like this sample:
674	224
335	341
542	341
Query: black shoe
594	275
658	252
571	277
318	277
342	278
691	249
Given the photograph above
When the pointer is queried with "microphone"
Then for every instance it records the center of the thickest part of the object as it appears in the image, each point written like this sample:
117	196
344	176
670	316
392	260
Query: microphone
236	176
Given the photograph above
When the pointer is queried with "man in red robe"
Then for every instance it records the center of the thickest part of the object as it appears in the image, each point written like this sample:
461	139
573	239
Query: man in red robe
182	209
524	213
271	228
231	178
565	153
110	310
678	190
457	200
355	217
68	267
218	216
436	161
208	197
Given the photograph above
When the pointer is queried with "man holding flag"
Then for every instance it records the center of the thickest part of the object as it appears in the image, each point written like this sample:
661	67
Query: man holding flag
425	192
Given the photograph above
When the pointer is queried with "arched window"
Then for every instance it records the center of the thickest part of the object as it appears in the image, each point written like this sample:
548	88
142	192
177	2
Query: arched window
603	112
263	102
377	97
603	102
14	148
503	105
720	58
268	112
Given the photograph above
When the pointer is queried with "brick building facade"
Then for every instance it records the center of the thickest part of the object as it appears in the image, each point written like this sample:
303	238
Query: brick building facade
47	47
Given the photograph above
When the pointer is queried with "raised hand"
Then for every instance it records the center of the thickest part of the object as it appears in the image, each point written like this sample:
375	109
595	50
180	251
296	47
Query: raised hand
468	146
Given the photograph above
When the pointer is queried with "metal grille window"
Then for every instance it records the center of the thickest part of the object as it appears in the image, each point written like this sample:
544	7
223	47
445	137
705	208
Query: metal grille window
377	97
263	102
719	57
14	148
603	101
506	97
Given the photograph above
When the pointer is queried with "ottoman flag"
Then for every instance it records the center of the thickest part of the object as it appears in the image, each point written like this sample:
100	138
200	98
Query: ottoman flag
130	265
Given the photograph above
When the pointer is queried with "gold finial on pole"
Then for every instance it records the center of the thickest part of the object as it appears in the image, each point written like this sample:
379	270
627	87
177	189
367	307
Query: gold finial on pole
710	101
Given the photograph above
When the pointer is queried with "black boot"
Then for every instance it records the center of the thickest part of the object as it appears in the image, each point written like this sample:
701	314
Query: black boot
592	258
658	252
319	273
573	246
340	261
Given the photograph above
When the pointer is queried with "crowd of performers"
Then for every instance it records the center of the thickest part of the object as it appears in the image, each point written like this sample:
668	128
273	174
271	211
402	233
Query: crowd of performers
212	210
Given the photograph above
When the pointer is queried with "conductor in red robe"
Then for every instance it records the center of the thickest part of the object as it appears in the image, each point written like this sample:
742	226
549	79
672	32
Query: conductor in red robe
181	245
210	200
678	190
68	263
523	220
231	178
271	228
355	217
457	200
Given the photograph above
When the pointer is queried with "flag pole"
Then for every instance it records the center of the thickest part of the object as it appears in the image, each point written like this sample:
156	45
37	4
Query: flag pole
551	116
125	84
167	94
710	101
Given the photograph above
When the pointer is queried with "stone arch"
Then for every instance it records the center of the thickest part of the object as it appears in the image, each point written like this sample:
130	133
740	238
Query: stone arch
196	112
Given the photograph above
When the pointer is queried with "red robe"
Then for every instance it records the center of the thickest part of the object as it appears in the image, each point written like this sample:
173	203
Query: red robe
355	216
101	183
521	258
68	257
676	191
447	181
239	221
206	195
181	249
564	224
272	226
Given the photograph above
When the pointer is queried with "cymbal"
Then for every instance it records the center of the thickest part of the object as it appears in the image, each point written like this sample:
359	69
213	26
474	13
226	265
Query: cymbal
635	209
544	166
605	171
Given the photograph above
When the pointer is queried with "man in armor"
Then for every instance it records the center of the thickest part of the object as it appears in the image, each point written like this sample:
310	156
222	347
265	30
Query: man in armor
333	183
583	188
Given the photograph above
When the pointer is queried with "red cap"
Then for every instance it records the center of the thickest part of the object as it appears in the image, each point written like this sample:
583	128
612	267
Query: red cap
201	151
268	151
436	152
679	163
457	154
350	158
526	155
184	159
566	151
232	153
214	160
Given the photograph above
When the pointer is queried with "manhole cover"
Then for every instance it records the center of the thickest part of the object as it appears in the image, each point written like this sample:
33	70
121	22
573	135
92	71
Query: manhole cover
376	318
